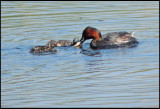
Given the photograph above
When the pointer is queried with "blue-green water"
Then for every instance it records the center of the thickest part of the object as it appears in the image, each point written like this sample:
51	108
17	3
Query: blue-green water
74	77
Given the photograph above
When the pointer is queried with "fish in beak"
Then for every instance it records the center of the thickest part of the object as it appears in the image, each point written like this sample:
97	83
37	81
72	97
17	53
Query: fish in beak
79	43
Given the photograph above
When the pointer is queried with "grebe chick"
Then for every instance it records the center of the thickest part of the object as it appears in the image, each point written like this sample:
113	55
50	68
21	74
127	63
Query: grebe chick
42	49
62	43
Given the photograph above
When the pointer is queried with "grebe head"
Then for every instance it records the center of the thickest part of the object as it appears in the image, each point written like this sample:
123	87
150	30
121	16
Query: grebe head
90	33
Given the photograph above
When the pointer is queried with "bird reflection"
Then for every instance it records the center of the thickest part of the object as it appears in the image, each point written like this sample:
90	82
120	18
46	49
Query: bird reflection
94	53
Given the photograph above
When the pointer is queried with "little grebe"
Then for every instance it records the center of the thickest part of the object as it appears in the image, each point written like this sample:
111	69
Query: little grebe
62	43
109	40
42	49
51	44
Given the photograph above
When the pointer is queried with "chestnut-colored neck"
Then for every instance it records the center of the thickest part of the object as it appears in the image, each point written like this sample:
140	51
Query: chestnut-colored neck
98	37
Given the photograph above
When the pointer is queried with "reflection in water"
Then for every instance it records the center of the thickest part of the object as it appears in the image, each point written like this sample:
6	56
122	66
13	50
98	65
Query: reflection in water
47	53
91	52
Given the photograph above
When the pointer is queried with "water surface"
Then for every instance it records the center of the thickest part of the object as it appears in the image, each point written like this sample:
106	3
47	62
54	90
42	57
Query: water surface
74	77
